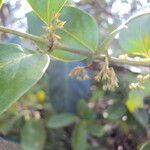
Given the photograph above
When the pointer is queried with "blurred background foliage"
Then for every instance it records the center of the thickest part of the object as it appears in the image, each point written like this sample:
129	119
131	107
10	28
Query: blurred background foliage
62	113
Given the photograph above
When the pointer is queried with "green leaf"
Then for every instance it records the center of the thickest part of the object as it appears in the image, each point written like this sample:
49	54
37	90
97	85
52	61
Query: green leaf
95	128
35	24
136	97
61	120
1	2
145	146
140	13
116	111
80	33
135	100
141	116
79	136
135	39
35	27
33	135
47	9
20	69
135	104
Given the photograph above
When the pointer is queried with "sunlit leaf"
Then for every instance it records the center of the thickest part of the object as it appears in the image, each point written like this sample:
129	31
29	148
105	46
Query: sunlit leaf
136	97
135	101
135	104
1	2
135	39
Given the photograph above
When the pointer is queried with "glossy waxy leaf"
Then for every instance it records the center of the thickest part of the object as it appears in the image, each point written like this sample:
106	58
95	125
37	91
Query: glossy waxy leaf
80	33
61	120
47	9
19	70
108	40
33	135
135	39
140	13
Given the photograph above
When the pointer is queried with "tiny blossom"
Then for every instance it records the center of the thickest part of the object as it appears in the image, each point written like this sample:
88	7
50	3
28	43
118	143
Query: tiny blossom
141	80
124	57
108	75
80	73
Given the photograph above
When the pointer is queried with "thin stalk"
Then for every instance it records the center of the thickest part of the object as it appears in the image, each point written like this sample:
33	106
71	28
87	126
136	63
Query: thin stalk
112	60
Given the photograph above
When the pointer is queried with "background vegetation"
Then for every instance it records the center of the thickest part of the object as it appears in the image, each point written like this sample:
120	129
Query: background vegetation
62	113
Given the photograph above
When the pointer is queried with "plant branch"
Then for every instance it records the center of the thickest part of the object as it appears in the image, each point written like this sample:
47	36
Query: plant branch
44	41
24	35
112	60
73	50
117	61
